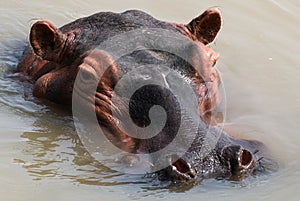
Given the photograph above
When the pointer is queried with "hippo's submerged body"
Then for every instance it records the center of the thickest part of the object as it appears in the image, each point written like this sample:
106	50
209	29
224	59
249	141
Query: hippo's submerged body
58	57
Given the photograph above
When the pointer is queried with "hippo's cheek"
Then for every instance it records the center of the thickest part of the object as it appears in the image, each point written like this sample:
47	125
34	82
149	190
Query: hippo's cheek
46	87
56	86
40	87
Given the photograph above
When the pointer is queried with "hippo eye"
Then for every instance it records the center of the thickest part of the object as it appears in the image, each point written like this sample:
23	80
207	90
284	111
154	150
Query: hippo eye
86	75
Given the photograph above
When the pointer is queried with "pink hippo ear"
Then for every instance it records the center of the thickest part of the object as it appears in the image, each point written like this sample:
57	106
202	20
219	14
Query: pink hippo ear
206	26
46	40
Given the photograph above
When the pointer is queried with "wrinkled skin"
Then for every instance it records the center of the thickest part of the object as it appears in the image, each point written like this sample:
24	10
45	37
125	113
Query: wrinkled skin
56	56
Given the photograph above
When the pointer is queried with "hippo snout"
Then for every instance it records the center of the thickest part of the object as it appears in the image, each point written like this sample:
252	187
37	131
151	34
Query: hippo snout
232	159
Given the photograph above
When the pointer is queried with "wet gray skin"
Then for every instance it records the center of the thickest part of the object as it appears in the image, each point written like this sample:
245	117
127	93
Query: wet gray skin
57	55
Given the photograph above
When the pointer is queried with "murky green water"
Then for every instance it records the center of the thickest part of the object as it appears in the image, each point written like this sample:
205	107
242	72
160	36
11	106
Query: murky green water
41	157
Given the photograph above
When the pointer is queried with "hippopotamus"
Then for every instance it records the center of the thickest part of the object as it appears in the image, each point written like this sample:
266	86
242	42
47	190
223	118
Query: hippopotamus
59	57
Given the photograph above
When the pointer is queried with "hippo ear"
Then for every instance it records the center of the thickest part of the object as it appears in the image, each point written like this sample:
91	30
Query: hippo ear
46	40
206	26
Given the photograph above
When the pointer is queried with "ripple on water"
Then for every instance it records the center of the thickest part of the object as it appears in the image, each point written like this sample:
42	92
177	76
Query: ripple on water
13	93
18	96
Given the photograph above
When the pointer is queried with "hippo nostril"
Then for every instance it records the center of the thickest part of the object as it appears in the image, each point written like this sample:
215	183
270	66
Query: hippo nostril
181	166
239	160
246	157
182	170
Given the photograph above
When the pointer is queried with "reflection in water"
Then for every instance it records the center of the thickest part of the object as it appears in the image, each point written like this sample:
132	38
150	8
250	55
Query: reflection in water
53	150
56	151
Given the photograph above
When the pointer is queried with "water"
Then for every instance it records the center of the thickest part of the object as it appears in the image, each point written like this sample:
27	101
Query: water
41	157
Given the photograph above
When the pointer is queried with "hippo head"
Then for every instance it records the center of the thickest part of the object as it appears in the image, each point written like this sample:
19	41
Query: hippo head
67	62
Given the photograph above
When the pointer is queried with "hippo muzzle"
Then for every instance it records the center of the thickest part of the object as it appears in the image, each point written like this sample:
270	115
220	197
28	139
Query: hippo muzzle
232	159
